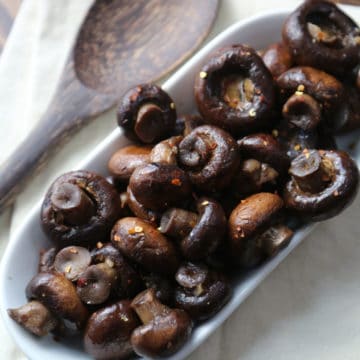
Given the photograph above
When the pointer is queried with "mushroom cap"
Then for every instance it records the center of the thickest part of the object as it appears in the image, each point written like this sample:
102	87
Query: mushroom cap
144	244
277	59
106	205
108	331
234	63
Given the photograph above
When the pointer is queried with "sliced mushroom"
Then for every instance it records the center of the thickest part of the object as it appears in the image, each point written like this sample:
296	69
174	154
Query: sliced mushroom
164	330
108	331
201	292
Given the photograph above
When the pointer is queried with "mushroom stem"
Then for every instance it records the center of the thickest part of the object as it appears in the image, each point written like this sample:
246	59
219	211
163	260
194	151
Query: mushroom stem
148	307
74	205
311	172
148	120
178	222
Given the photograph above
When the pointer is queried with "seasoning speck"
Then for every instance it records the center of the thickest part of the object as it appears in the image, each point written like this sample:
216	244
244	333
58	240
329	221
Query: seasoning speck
252	113
297	147
176	182
138	229
172	105
203	74
204	203
117	238
99	244
73	251
275	133
68	269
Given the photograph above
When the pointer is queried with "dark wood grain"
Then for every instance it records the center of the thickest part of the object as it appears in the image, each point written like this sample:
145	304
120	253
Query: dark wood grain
121	43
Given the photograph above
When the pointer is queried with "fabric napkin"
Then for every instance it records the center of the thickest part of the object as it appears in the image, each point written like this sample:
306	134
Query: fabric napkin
308	308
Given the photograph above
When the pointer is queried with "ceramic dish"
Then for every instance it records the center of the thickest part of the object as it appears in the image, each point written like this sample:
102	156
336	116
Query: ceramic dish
19	263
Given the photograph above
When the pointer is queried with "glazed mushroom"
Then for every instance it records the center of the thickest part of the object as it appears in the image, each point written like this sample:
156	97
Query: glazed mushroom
124	161
79	209
158	186
323	183
200	233
35	317
147	113
248	222
166	151
164	330
128	282
234	90
319	34
145	245
185	124
201	292
277	59
59	296
108	331
210	157
72	261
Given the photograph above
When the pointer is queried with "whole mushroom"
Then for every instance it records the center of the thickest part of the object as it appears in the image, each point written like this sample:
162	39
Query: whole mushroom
277	59
164	330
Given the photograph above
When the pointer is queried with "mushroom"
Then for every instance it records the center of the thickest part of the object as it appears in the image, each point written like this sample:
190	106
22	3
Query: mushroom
46	260
108	331
323	183
185	124
210	157
79	209
72	261
158	186
319	34
235	91
166	151
200	233
163	287
128	282
59	296
248	224
164	330
124	161
147	113
201	292
34	317
277	59
145	245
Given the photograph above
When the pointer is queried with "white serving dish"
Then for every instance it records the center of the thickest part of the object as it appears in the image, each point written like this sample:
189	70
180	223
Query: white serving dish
19	263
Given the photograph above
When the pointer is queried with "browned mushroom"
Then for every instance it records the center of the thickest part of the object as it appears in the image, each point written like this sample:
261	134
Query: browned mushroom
147	113
200	233
164	329
72	261
108	331
166	151
323	183
79	209
144	244
234	90
319	34
58	295
34	317
201	291
247	224
124	161
210	157
277	59
158	186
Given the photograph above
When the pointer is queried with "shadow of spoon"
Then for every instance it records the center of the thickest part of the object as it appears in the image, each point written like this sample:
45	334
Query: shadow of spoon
121	43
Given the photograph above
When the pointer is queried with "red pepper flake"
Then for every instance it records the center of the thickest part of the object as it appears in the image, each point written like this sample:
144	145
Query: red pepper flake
176	182
81	282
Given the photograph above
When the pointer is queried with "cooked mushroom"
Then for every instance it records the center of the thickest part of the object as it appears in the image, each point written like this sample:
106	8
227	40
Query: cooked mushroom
185	124
147	113
234	90
79	209
108	331
248	224
164	329
277	59
201	292
166	151
72	261
34	317
200	233
319	34
144	244
124	161
158	186
210	157
163	287
323	183
128	282
58	295
46	260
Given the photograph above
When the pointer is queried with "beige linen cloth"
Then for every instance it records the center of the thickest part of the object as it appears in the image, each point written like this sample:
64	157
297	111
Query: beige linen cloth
309	306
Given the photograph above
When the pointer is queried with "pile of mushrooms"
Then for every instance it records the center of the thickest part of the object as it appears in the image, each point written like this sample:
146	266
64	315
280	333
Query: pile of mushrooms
142	256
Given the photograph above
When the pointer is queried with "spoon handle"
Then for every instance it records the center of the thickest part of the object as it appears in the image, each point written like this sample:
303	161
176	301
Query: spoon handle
73	105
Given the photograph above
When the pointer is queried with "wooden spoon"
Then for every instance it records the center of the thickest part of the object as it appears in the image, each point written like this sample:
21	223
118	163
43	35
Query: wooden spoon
120	44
